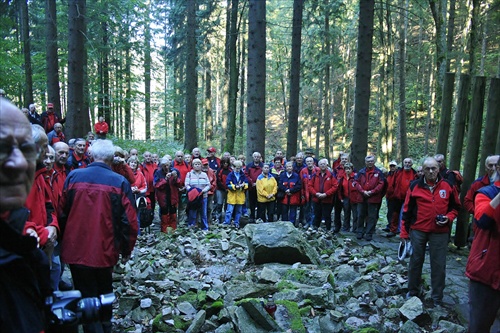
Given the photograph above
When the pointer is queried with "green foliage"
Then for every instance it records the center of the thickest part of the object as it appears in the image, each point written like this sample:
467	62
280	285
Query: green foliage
297	275
160	147
296	325
285	285
159	325
372	268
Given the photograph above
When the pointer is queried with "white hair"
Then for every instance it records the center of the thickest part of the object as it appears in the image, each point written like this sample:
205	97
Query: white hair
103	150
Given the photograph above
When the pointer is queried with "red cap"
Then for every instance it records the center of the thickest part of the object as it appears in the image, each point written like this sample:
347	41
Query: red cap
50	106
212	150
204	161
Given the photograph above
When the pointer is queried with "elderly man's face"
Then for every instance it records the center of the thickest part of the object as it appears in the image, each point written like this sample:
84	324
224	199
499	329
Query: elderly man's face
299	159
323	165
196	152
256	157
148	157
49	160
58	128
133	152
279	153
441	162
370	162
407	163
18	154
155	158
431	170
62	154
187	158
179	156
289	167
491	164
344	159
80	147
310	162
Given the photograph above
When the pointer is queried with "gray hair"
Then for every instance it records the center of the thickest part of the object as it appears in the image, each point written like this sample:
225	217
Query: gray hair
103	151
38	134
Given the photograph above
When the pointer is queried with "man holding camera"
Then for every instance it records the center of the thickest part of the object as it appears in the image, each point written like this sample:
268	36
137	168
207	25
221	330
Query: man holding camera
430	206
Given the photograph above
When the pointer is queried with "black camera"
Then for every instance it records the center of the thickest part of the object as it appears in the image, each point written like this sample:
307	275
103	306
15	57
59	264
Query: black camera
440	218
68	308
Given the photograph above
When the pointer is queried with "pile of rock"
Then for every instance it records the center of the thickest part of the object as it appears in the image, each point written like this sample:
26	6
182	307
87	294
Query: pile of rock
219	282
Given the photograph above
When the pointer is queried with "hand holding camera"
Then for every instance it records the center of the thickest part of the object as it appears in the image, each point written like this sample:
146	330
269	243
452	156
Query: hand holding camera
441	220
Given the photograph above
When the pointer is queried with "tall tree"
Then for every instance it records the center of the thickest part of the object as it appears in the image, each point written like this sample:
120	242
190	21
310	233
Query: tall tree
438	10
293	108
190	135
26	49
147	73
77	118
51	57
403	27
256	83
233	78
363	78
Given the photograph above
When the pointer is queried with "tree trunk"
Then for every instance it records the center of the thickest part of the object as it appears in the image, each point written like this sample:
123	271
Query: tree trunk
403	139
106	109
450	34
460	119
445	121
491	130
26	49
51	57
438	9
327	91
471	155
473	41
293	105
363	77
233	79
190	135
242	87
77	117
128	94
256	83
147	77
209	125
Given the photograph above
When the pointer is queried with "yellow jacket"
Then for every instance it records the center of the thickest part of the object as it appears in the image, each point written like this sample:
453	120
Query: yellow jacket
266	186
236	196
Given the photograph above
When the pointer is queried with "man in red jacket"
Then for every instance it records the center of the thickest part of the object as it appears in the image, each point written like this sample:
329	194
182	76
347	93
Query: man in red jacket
370	182
431	205
485	180
101	128
322	188
483	266
98	223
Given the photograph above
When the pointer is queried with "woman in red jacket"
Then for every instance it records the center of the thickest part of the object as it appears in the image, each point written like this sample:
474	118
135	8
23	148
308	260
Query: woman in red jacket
350	198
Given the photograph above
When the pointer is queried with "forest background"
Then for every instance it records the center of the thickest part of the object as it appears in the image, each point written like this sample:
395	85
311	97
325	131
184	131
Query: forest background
258	75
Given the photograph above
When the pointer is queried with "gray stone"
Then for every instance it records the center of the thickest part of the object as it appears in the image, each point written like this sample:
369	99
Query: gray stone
355	322
225	328
224	244
139	315
198	321
412	308
237	290
245	323
146	303
259	315
344	275
186	308
126	304
278	242
268	276
450	327
410	327
287	314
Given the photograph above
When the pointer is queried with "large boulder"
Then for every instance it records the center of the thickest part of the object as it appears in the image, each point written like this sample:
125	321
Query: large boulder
278	242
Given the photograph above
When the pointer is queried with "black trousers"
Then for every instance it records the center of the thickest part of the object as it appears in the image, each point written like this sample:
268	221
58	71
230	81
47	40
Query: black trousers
93	282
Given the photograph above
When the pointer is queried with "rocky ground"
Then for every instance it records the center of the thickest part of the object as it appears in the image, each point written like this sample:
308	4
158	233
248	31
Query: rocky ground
219	281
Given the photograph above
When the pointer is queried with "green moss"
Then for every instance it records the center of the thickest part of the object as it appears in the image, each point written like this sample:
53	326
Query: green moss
298	275
331	280
285	285
305	311
327	251
372	268
159	325
181	324
212	236
367	330
246	300
296	325
190	297
201	297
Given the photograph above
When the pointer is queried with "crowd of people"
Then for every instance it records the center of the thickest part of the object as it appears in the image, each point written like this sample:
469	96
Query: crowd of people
77	200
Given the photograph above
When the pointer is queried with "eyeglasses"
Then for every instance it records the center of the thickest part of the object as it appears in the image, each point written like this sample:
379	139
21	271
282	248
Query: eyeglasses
49	157
30	151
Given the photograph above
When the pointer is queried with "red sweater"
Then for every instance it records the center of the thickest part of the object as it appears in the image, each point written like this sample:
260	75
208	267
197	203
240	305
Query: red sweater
471	193
101	128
